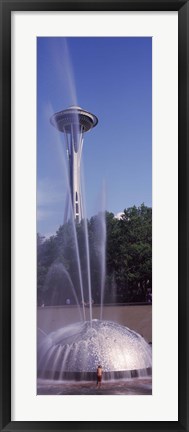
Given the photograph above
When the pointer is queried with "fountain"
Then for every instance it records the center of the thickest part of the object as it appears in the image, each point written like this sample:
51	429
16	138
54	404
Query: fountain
73	352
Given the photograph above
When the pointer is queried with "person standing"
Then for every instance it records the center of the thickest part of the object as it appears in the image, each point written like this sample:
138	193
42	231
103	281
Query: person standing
99	373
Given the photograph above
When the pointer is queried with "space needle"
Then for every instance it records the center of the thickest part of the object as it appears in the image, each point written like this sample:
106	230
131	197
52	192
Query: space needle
74	122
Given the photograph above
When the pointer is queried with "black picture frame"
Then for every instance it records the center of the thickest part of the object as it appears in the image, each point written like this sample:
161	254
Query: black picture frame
6	7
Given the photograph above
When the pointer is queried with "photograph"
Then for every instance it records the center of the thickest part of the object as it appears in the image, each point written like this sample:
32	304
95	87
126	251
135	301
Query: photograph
94	215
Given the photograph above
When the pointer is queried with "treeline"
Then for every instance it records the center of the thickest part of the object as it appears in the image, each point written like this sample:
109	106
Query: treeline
118	252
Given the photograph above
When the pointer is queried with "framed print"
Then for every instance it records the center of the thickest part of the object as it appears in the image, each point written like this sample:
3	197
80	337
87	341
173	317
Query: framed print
94	215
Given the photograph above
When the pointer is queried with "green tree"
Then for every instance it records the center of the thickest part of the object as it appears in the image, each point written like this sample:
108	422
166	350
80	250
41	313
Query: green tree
126	243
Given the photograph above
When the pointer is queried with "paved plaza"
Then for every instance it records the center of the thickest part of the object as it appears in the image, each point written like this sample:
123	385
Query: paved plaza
138	386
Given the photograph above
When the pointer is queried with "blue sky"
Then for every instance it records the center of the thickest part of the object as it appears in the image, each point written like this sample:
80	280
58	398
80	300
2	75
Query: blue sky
111	78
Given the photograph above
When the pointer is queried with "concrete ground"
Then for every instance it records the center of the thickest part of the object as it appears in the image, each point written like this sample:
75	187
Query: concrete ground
138	386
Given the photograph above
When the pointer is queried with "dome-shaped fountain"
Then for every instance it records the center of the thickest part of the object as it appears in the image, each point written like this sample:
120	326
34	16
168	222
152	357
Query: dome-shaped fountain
74	352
